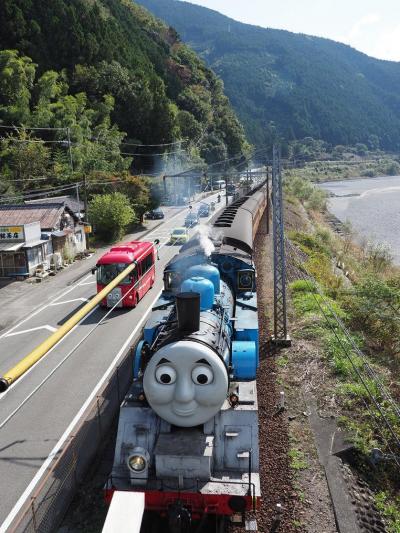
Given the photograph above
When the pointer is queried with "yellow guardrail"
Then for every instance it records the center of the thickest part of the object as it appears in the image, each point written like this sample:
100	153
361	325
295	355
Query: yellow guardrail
35	355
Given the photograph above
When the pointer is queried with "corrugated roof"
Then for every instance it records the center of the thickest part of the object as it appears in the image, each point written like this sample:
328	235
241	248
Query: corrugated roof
10	246
69	201
48	215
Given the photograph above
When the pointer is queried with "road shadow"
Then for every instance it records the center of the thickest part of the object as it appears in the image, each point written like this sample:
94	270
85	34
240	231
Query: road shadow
73	312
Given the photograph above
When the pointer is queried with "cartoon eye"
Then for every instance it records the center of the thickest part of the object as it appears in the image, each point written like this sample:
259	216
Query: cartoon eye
165	375
202	375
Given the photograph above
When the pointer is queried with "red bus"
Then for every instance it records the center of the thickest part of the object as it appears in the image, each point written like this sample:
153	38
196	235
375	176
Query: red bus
137	283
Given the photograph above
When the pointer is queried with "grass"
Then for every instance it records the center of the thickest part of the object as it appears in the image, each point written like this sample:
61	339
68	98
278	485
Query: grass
297	459
390	509
282	361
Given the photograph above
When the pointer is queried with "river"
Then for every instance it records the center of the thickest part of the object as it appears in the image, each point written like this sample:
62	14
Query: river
372	206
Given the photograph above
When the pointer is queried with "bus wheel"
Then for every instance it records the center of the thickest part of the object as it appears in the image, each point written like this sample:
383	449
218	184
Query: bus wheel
136	300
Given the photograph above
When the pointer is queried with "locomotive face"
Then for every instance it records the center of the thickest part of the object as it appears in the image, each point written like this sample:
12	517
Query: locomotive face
185	383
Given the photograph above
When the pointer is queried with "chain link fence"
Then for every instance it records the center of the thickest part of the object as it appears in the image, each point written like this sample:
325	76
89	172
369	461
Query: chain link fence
50	500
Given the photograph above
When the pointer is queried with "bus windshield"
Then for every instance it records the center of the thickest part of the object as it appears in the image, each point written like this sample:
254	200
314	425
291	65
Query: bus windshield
106	273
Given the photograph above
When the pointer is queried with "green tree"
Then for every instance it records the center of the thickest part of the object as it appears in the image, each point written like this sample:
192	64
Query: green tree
110	215
137	189
17	74
26	161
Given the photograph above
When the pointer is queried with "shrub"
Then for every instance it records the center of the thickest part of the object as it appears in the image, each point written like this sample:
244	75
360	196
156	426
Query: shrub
309	243
372	309
110	214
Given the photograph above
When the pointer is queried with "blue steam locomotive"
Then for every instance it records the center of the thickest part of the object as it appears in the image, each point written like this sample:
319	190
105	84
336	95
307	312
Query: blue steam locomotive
188	428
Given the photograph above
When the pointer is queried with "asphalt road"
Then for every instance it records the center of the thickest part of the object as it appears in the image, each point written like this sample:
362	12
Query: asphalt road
38	410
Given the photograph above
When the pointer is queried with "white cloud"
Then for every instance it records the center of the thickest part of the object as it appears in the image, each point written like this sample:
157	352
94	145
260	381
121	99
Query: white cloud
387	45
360	25
374	36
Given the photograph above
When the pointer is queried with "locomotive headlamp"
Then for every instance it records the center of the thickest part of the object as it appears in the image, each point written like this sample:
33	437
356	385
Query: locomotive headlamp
138	460
137	463
245	280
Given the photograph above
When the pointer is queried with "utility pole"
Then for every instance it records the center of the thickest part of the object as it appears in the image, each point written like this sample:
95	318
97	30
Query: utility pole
268	201
280	337
70	150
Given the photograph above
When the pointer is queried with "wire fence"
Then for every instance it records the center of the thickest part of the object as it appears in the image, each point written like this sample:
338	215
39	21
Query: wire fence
49	501
383	410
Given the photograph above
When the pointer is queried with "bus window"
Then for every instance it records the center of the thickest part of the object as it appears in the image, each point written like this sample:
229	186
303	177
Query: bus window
146	263
106	273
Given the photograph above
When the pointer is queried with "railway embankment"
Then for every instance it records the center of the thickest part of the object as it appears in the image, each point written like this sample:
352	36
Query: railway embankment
341	375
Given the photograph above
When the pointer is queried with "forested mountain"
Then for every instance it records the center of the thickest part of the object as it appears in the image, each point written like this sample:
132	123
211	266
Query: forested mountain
291	84
110	72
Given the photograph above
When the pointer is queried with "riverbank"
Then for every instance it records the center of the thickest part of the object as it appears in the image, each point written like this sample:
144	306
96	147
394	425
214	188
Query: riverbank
369	208
323	171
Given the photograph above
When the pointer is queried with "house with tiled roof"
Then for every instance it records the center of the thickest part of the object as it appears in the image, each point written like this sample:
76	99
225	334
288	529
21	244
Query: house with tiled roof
31	233
75	205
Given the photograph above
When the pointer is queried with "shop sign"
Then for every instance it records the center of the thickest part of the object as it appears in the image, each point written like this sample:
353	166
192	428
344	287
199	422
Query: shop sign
12	233
88	228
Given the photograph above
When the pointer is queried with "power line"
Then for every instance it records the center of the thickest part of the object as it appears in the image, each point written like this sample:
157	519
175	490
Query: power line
10	199
151	155
10	127
12	139
154	145
25	179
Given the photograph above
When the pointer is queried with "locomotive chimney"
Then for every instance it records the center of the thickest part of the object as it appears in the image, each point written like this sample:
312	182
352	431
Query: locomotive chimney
188	311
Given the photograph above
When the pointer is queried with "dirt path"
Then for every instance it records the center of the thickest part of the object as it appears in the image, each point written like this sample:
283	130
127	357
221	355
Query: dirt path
291	474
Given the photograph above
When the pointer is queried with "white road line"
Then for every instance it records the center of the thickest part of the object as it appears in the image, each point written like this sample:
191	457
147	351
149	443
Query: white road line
49	328
19	380
40	309
25	495
70	301
87	283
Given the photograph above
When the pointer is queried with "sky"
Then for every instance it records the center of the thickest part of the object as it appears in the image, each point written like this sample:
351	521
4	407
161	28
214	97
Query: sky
371	26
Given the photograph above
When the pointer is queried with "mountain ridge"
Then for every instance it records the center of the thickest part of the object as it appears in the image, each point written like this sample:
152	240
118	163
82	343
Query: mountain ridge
304	85
161	91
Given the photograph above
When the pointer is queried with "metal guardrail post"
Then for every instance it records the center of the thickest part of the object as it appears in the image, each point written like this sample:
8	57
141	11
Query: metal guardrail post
33	514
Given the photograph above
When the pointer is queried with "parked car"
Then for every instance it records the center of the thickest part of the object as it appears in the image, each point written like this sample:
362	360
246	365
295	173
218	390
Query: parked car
191	220
179	236
204	210
155	214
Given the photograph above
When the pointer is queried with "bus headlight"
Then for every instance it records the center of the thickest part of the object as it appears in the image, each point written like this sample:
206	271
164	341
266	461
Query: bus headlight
138	460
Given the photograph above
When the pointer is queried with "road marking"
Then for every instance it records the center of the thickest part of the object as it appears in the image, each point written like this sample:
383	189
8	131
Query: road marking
70	301
49	328
19	380
87	283
25	495
40	309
